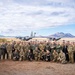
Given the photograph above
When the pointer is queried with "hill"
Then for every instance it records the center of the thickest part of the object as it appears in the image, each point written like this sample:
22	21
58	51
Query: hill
62	35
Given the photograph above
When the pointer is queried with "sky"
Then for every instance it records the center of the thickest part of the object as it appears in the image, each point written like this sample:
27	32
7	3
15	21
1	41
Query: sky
45	17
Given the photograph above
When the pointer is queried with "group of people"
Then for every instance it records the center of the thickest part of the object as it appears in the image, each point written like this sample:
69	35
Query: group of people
39	51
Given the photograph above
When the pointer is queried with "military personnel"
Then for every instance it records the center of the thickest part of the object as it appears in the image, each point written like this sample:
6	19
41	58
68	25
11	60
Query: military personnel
48	55
41	46
71	52
4	51
0	51
26	48
74	50
17	46
9	50
58	48
22	55
47	47
36	53
55	56
65	50
62	57
29	55
31	48
16	55
53	47
13	47
42	55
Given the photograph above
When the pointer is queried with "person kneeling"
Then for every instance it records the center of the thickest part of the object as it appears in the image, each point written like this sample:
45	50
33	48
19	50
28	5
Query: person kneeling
16	55
29	55
48	55
55	56
62	57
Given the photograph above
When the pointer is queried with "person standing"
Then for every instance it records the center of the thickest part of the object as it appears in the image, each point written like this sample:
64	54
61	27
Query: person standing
0	51
71	52
74	50
65	50
9	50
4	50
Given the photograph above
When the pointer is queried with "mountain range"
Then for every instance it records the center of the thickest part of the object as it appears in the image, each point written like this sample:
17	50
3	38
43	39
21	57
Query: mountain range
61	35
56	35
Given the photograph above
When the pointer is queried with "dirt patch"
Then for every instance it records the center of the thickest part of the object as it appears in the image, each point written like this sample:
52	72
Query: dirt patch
35	68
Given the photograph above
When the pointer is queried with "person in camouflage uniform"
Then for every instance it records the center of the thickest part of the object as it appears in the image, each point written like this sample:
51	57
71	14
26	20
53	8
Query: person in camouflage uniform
71	52
4	50
41	46
42	55
26	48
16	55
65	50
47	47
58	48
53	47
0	51
17	46
55	56
9	50
47	55
22	55
74	50
29	55
36	53
62	57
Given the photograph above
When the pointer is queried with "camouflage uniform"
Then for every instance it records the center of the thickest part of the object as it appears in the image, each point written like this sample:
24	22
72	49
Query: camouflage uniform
9	50
53	47
22	51
0	51
16	55
17	46
71	52
48	55
74	51
42	55
62	57
26	48
22	55
29	55
36	53
47	47
55	56
41	47
58	48
4	51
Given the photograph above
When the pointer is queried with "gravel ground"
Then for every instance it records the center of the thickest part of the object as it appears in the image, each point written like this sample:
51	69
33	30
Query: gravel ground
35	68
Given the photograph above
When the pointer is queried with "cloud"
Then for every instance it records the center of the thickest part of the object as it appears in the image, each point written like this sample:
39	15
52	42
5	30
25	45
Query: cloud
19	16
